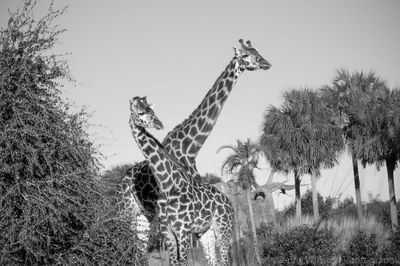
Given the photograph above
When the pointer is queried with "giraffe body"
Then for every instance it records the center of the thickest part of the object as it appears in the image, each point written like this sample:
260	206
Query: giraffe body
186	139
185	206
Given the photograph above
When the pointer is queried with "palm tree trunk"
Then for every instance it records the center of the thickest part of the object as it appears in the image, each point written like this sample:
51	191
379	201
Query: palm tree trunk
253	225
297	190
390	165
357	185
314	195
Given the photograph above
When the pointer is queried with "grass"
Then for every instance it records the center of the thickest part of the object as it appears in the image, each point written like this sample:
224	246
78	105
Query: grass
345	228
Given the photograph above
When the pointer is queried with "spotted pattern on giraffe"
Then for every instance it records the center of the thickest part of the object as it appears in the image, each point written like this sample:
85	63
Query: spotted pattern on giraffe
145	189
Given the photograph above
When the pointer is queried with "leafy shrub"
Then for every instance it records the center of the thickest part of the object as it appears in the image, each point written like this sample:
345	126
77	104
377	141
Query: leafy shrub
380	209
301	245
110	242
390	254
324	204
331	208
374	207
345	208
362	250
50	194
395	241
346	229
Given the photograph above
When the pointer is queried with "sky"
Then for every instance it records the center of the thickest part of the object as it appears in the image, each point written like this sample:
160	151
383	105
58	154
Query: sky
173	51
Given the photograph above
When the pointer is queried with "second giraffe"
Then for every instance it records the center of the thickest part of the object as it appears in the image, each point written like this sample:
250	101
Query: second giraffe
185	206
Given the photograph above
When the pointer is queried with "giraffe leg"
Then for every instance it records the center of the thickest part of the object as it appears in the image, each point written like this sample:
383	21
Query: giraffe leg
207	242
224	246
142	229
183	241
171	243
223	231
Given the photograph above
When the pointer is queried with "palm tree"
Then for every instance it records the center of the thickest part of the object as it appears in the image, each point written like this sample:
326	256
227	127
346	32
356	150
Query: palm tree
347	92
380	141
242	162
305	137
277	138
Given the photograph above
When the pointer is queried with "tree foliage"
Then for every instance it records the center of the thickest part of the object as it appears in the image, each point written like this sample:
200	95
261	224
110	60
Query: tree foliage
242	161
301	134
368	106
373	129
325	205
49	194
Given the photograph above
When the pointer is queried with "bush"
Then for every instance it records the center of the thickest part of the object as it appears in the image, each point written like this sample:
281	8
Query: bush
50	195
324	205
390	254
362	250
301	245
345	208
110	242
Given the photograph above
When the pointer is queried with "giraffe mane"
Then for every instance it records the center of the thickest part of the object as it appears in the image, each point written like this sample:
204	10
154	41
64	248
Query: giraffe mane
194	113
169	156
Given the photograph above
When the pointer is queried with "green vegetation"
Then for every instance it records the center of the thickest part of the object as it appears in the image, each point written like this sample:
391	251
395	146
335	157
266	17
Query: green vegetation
339	239
241	162
300	245
301	136
53	209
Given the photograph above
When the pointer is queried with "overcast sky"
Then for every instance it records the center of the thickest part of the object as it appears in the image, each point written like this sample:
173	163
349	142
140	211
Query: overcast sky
173	51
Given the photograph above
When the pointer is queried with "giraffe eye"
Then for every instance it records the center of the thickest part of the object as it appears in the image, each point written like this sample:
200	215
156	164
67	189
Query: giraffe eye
245	56
141	113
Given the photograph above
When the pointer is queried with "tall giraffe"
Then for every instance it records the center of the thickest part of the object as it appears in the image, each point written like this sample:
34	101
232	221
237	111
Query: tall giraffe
184	206
186	139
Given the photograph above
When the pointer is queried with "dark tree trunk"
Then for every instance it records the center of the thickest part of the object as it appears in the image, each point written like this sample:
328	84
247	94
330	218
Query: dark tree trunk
390	165
357	186
297	190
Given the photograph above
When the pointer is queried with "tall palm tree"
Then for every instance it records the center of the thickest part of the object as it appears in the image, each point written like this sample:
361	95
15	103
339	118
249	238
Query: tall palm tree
241	162
325	138
305	137
349	90
380	139
278	135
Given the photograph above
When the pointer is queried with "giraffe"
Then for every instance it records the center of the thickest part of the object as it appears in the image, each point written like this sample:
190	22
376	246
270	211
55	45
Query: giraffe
185	140
185	206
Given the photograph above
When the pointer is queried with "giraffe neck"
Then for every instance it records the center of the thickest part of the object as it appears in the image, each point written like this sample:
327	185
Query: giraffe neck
165	168
186	139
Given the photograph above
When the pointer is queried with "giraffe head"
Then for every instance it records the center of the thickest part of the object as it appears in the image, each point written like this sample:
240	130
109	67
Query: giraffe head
249	57
142	114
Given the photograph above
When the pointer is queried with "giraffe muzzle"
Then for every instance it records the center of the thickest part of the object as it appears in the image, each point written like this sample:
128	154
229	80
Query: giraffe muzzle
158	125
264	64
